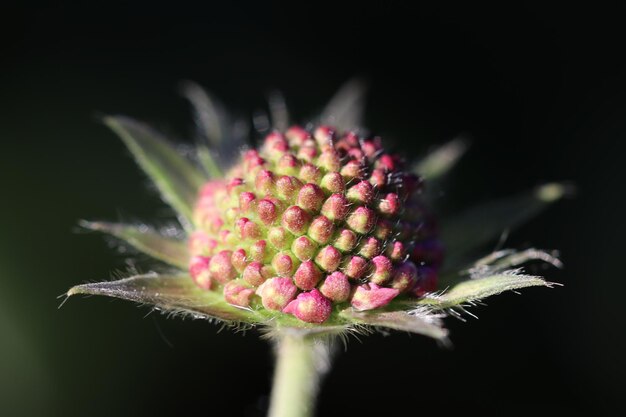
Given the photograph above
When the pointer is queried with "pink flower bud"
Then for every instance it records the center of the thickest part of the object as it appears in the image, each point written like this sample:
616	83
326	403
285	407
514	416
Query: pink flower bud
258	251
221	268
239	260
382	270
287	188
324	135
283	264
361	220
310	197
277	292
238	293
288	164
264	182
355	267
296	220
199	271
304	248
386	162
362	192
311	307
267	211
200	243
307	152
378	178
321	229
396	251
328	258
369	247
252	160
255	273
279	238
247	228
345	240
246	199
234	184
333	183
390	205
329	160
404	276
336	287
310	173
371	296
297	135
307	275
335	207
384	229
352	170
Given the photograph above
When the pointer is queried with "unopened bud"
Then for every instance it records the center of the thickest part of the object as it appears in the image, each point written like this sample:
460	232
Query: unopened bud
361	220
321	229
371	296
336	287
296	220
199	271
221	267
311	307
335	207
277	292
382	270
307	275
328	258
238	292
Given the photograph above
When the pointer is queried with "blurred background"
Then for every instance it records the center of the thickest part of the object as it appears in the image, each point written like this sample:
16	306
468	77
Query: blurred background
540	91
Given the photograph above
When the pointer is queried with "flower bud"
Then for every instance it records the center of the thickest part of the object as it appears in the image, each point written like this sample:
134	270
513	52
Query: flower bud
369	247
311	307
310	197
277	292
396	251
201	244
307	275
345	240
361	220
328	258
324	135
304	248
404	276
361	193
296	220
247	228
355	267
238	292
279	238
310	173
259	251
221	268
239	260
288	164
199	271
283	264
371	296
378	178
297	135
382	270
246	200
287	188
332	183
390	205
256	273
335	207
329	160
336	287
264	182
321	229
352	170
267	211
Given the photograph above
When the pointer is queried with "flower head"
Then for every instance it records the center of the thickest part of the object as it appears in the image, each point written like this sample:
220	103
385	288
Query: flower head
318	228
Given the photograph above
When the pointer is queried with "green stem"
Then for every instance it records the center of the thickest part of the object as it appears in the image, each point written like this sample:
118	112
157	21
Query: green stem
300	362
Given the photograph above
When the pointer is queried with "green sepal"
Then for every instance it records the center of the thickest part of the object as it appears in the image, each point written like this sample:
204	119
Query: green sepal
472	290
146	240
177	179
419	321
171	293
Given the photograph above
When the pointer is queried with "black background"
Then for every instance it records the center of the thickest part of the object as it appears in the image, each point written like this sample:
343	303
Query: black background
540	90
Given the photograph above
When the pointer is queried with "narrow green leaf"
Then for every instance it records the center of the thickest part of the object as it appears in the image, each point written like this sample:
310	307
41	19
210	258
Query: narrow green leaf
419	321
175	177
482	224
172	293
345	109
472	290
146	240
441	160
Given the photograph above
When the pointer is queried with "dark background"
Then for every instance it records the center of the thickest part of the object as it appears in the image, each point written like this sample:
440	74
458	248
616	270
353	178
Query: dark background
541	92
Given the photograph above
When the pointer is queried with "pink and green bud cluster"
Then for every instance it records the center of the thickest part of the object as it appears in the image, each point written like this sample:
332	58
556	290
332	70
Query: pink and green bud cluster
312	220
